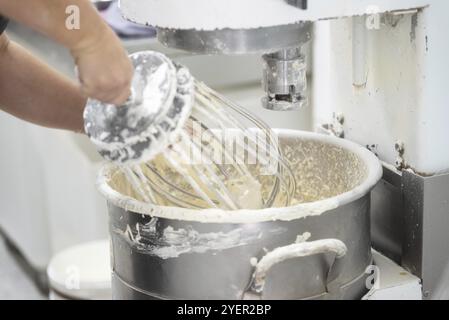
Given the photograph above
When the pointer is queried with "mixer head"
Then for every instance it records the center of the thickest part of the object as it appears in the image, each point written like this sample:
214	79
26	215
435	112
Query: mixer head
161	102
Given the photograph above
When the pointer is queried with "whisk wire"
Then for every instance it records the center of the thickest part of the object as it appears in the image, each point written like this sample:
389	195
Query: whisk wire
186	145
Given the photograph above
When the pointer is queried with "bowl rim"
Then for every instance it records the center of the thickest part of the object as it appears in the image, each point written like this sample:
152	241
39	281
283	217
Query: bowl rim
294	212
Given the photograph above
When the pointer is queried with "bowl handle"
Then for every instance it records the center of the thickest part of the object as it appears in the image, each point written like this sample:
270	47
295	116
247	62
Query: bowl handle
298	250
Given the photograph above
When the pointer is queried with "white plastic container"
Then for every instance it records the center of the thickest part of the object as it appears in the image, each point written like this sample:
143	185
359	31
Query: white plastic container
81	272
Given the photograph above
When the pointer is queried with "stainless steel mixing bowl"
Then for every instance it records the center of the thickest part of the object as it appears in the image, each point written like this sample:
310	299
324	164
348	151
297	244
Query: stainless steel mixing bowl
319	247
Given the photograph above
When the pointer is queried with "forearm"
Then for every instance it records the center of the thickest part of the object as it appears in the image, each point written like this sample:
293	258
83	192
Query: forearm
49	17
32	91
105	71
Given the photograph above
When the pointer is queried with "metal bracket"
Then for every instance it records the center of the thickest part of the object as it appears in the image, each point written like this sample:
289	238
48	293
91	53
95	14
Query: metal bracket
301	4
336	128
410	220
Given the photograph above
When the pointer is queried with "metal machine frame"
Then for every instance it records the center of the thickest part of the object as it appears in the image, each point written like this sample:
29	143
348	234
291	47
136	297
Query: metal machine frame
410	222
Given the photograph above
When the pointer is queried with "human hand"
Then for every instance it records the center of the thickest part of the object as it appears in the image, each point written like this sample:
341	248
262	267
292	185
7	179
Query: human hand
104	69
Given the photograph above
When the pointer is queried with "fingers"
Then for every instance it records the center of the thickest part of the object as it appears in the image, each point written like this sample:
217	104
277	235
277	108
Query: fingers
107	84
107	89
121	99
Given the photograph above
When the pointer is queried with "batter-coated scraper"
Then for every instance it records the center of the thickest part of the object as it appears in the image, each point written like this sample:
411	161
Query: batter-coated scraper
180	143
